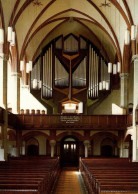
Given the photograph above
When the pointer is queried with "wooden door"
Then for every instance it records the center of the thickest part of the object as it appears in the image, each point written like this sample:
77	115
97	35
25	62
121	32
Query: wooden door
69	153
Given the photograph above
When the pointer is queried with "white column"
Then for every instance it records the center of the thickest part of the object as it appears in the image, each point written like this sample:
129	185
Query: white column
1	149
52	144
86	145
135	107
23	148
16	93
5	116
124	90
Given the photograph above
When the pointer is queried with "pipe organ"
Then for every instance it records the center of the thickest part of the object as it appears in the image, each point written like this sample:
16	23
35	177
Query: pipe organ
98	73
47	73
61	75
79	75
35	75
71	44
70	62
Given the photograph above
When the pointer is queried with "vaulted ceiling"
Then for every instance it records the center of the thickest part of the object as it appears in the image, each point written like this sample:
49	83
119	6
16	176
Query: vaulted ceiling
37	22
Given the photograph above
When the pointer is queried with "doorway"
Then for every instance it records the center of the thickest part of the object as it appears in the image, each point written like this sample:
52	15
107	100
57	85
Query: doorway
106	151
32	150
69	152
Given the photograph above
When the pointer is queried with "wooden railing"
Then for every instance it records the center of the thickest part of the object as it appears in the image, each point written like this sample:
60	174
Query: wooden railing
88	122
91	122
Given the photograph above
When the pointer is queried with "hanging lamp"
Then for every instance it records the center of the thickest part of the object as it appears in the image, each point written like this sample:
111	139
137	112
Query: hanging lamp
109	67
12	43
27	67
1	36
127	37
21	65
107	85
34	83
100	86
114	69
104	85
30	65
9	36
133	32
118	67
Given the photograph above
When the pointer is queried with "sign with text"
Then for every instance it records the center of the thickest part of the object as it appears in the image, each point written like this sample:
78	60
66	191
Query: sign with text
69	119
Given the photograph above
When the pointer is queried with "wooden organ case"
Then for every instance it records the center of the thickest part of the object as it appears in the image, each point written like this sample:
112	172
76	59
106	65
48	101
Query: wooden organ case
70	68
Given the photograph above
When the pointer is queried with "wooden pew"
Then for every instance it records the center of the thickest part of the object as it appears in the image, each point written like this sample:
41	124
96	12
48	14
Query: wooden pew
29	175
103	175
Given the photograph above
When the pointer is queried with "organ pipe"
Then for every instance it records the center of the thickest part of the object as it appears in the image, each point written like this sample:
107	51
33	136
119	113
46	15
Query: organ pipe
97	83
47	73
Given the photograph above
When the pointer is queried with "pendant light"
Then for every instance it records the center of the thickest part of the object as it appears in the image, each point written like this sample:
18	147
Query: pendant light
9	36
100	86
127	37
12	43
114	69
109	67
1	36
118	67
104	85
107	85
34	83
30	65
21	65
27	67
133	32
40	84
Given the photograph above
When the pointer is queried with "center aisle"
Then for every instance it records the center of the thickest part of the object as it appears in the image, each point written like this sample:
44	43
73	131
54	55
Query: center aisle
68	182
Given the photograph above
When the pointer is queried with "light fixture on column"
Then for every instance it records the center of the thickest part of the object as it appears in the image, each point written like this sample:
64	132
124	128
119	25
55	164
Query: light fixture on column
118	67
109	67
30	65
9	36
100	86
107	85
27	67
127	37
114	69
12	43
35	84
104	85
1	36
21	65
133	32
40	84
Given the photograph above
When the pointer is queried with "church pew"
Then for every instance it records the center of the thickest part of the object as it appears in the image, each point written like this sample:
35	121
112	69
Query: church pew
40	173
104	175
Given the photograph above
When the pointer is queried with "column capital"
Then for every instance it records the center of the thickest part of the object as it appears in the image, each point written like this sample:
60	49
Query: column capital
135	58
124	75
52	142
16	74
3	56
86	142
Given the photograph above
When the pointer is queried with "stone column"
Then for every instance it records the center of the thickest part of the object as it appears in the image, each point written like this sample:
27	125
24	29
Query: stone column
86	144
52	144
124	90
3	68
16	93
23	148
135	107
18	141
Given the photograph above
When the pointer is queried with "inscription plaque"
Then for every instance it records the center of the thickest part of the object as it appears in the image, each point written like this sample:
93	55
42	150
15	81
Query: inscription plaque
69	119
